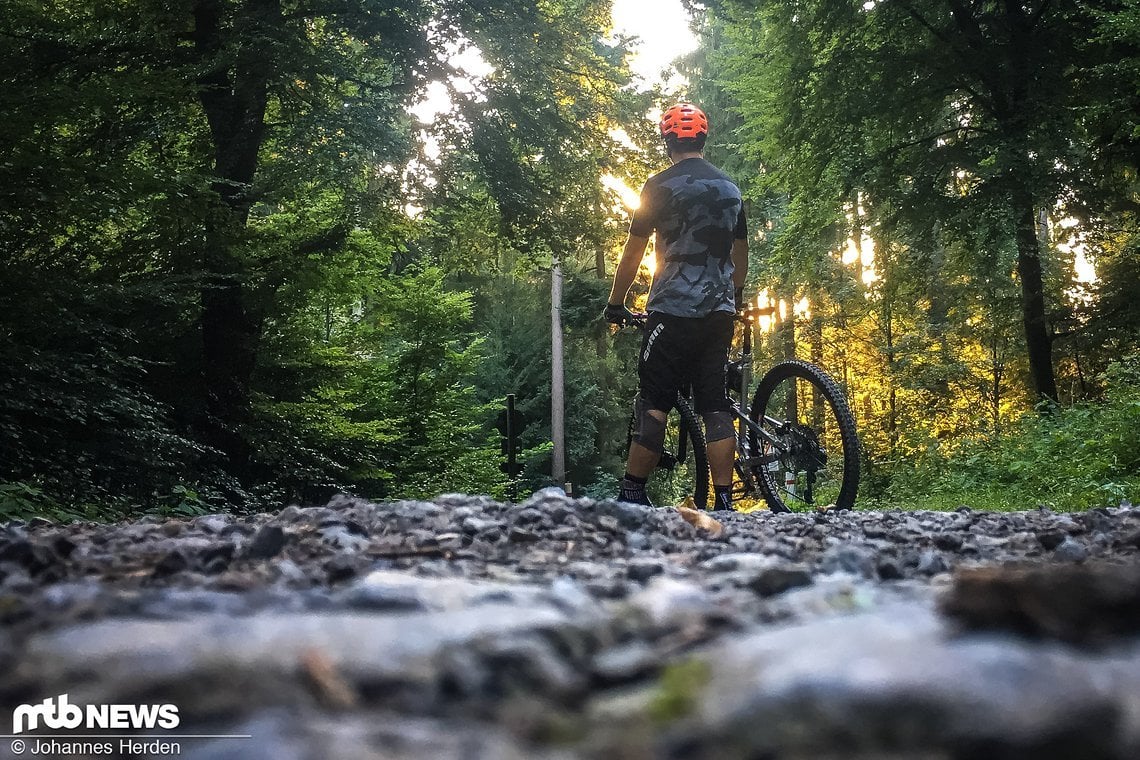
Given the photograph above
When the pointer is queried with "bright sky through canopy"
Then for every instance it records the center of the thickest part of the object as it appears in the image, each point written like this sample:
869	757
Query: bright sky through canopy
662	25
661	29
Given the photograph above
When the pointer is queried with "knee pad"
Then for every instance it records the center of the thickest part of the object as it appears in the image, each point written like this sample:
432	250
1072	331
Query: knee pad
718	426
648	431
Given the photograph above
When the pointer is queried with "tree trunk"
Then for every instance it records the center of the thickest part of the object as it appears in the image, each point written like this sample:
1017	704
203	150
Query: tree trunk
233	94
787	341
1012	111
1037	339
816	335
938	314
892	391
997	365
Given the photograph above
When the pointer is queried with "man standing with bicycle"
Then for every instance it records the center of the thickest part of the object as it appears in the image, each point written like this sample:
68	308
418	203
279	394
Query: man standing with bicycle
702	260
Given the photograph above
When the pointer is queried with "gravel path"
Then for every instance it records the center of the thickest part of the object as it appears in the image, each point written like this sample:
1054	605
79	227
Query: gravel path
560	628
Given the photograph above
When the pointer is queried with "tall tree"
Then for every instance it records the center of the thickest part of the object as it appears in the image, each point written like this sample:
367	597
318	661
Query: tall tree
944	106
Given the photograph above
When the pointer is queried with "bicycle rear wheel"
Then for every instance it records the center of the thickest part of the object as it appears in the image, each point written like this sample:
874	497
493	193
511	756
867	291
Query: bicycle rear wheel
816	461
684	461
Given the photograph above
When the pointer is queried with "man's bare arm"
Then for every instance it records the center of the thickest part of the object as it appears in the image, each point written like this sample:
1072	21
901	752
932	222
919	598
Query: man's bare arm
626	271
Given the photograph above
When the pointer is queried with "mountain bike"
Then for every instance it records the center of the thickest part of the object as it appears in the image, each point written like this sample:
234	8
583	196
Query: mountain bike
796	444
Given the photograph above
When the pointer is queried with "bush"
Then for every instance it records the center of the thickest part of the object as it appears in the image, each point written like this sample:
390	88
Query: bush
1084	456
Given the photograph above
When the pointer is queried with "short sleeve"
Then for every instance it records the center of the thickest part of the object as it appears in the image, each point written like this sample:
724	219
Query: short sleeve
741	225
645	215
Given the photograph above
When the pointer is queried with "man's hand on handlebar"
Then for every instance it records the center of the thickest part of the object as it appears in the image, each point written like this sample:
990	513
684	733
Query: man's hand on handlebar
617	314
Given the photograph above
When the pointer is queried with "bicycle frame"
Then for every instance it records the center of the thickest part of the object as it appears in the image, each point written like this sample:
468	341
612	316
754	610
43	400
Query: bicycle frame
740	408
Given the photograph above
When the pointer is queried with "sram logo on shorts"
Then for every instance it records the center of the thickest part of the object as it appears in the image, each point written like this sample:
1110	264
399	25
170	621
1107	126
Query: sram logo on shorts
649	343
58	713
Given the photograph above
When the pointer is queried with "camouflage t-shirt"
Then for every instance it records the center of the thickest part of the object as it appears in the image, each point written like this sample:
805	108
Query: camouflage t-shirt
697	212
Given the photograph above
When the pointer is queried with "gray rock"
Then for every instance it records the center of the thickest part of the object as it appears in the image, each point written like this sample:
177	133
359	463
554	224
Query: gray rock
342	567
668	604
439	593
889	569
893	682
848	558
313	735
608	523
565	533
778	578
569	596
399	606
728	563
160	656
173	562
932	563
1071	550
216	558
950	542
343	537
519	535
1051	539
289	570
211	523
629	516
641	570
636	541
625	663
490	530
267	543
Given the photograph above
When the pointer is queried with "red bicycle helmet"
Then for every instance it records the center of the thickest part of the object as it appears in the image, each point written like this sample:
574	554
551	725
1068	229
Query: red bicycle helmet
684	120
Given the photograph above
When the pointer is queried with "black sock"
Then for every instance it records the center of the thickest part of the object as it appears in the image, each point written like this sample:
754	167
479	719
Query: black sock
633	489
723	497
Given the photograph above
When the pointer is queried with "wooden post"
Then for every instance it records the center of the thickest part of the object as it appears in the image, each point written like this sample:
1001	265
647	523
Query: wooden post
557	392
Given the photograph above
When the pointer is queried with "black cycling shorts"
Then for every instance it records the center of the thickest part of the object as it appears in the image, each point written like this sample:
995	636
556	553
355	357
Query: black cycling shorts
683	353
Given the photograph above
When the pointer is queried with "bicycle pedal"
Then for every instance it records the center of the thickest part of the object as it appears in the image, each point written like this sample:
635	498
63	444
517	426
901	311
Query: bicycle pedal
667	461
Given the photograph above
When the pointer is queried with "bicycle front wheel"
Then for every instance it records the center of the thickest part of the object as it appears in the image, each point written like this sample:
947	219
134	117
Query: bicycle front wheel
686	439
814	460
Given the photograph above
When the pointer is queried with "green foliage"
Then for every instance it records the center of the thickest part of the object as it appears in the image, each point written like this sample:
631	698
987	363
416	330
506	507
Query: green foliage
1083	456
19	500
381	402
218	299
76	414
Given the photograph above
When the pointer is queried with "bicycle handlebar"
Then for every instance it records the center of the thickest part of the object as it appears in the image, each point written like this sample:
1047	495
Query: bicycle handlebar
636	319
747	314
